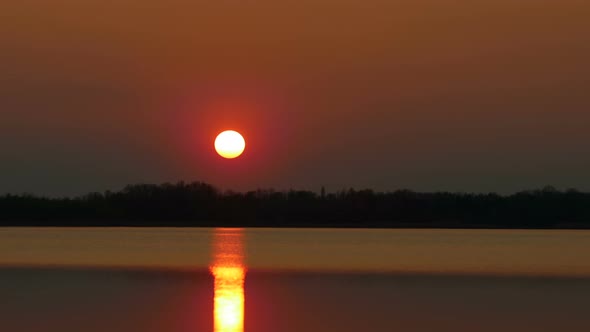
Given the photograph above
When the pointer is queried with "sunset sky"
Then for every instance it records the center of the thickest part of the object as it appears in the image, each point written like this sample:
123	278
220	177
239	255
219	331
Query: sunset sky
464	95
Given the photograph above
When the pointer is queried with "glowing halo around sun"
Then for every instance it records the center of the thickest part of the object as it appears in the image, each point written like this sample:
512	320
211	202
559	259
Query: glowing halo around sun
230	144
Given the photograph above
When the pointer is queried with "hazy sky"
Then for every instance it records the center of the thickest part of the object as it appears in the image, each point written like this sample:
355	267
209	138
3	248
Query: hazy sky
464	95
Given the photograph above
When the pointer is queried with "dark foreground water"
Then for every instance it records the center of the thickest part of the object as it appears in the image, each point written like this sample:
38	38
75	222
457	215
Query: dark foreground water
260	280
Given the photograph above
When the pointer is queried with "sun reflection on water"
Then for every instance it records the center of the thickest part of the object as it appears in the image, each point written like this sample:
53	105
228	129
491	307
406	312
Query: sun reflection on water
229	273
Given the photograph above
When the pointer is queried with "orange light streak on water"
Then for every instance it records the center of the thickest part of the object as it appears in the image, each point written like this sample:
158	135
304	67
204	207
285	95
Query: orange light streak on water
229	272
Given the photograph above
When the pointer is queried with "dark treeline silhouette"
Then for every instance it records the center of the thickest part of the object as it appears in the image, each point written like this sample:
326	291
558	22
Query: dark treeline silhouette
200	204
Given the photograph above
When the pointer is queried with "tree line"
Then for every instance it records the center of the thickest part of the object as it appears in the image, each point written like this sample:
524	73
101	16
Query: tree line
201	204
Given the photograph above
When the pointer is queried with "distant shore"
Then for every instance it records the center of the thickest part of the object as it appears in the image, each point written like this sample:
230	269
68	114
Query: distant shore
111	224
199	204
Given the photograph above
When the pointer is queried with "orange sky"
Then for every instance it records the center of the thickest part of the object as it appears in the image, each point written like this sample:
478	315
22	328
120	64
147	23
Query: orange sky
480	95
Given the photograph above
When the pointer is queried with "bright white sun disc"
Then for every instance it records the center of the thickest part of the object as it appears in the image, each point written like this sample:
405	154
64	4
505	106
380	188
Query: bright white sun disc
230	144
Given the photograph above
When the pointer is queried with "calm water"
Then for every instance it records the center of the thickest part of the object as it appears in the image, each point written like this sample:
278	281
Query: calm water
259	280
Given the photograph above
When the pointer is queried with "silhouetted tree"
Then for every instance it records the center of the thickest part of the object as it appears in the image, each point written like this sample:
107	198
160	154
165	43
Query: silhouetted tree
201	204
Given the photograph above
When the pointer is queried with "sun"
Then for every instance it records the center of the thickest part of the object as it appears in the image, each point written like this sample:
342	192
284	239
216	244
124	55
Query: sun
230	144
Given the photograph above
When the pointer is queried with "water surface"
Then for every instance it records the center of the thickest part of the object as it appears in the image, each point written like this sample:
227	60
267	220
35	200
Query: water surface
508	252
235	280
